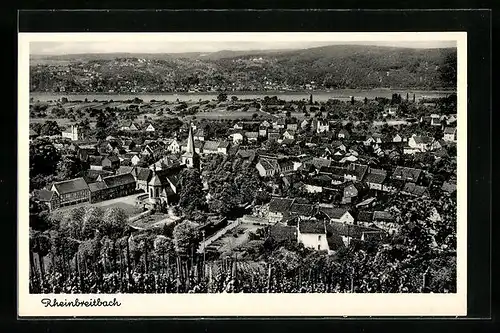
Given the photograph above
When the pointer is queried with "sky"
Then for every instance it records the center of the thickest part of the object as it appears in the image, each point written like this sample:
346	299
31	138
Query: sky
135	46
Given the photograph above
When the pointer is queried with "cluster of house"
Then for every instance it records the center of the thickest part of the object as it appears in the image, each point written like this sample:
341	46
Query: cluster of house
98	184
326	228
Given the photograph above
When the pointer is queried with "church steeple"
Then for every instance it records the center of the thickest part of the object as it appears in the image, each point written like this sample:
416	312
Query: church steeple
190	158
190	142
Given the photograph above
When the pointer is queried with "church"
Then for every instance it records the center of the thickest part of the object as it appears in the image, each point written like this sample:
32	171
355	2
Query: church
163	187
190	157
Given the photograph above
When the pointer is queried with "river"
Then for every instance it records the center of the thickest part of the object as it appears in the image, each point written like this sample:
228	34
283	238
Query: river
320	96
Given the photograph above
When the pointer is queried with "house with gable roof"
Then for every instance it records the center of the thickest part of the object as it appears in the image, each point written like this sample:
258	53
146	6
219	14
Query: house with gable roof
71	192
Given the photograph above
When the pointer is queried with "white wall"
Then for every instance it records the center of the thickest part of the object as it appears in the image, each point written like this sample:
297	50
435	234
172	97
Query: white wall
312	241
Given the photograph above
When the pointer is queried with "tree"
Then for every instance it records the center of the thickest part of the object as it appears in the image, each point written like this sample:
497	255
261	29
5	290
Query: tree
49	128
311	99
39	217
222	97
191	196
187	237
43	157
234	98
224	199
69	167
114	222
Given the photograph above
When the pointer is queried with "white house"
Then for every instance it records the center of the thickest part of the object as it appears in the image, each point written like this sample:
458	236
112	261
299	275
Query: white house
135	160
421	143
222	148
322	126
340	215
397	138
150	128
435	120
391	110
238	126
237	137
174	147
312	233
450	134
289	134
74	133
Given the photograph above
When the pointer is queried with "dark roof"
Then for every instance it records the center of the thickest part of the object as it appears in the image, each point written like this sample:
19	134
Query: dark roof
422	139
382	216
405	173
337	172
450	130
334	240
112	158
375	176
396	183
211	145
449	187
44	195
280	205
333	212
320	162
302	209
365	216
246	153
124	169
354	231
223	144
119	180
312	227
285	163
357	185
413	189
144	174
97	186
281	233
358	170
70	186
91	175
268	164
95	160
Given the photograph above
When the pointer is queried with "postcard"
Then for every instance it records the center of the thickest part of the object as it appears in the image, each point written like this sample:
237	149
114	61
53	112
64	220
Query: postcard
242	174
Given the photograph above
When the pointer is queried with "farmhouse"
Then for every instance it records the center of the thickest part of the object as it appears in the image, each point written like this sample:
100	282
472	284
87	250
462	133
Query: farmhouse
312	233
72	192
450	134
341	215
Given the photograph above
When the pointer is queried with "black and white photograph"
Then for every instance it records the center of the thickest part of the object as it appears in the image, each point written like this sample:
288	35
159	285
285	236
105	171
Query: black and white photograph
253	164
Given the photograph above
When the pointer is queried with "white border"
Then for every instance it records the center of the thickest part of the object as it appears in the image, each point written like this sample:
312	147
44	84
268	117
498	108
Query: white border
247	304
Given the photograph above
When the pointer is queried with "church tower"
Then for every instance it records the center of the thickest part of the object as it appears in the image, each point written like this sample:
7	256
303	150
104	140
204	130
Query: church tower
190	158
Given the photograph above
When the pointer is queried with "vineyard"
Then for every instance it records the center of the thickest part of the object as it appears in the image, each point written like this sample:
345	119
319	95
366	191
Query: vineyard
91	250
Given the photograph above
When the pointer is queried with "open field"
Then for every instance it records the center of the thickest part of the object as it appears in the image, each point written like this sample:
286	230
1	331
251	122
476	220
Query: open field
157	220
228	242
126	203
129	209
219	114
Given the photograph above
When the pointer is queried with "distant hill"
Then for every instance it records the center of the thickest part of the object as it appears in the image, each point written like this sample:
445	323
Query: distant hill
337	66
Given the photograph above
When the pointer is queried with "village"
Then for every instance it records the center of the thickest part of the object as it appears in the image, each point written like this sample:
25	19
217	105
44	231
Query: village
340	180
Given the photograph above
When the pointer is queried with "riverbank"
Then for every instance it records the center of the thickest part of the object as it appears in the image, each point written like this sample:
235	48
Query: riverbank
318	95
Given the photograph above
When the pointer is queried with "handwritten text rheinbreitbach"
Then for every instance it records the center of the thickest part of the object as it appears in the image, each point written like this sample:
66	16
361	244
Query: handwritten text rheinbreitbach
47	302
